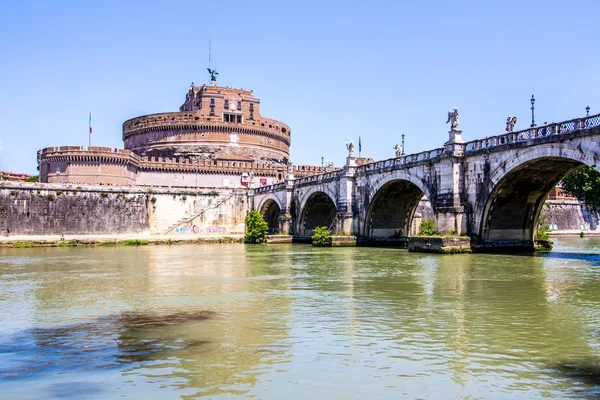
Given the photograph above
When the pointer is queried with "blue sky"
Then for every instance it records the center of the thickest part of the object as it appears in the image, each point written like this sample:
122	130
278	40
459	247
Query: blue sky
332	70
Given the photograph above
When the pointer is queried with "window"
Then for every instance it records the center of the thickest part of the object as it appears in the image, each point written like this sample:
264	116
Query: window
58	170
251	115
234	118
251	107
212	110
212	102
226	103
239	105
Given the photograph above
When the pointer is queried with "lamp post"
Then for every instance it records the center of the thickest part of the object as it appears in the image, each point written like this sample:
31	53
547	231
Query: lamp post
403	144
587	111
322	159
532	111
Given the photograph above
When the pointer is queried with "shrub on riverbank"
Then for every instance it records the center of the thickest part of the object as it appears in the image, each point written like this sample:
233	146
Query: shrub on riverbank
321	236
427	227
256	227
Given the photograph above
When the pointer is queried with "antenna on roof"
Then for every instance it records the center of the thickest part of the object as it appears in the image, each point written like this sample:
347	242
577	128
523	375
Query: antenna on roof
212	73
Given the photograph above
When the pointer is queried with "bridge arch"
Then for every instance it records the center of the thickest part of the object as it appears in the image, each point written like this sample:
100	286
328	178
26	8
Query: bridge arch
270	208
318	209
392	202
512	198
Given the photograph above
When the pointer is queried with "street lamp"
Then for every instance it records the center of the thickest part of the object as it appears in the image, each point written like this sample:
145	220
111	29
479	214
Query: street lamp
403	144
532	111
587	111
322	159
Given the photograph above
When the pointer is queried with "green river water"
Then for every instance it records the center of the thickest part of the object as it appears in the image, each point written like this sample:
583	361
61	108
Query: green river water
296	322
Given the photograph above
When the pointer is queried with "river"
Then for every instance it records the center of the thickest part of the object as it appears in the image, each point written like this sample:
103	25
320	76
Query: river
297	322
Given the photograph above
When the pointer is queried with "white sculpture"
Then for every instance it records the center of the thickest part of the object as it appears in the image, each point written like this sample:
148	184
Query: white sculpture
290	166
329	164
510	123
398	149
453	119
350	148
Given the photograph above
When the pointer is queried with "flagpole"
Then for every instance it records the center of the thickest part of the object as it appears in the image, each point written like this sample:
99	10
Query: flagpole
359	147
90	134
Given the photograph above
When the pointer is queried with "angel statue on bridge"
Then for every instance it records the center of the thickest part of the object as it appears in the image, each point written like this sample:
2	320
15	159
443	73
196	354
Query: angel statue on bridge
350	148
510	123
453	119
398	149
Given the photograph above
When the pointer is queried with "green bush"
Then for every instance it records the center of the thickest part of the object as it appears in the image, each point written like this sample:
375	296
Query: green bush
542	229
33	178
427	227
256	227
541	233
321	236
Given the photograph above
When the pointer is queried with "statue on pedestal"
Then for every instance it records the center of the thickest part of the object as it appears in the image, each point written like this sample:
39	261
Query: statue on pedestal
350	148
398	149
510	123
453	119
213	74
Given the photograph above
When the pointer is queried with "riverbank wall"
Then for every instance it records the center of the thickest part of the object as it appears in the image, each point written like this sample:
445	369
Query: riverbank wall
570	215
63	209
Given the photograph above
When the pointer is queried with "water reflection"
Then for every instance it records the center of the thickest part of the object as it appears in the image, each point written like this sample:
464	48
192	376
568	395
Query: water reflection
294	321
104	343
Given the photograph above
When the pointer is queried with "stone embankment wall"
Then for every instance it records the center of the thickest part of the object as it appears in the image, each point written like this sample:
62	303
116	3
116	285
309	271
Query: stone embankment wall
570	215
54	209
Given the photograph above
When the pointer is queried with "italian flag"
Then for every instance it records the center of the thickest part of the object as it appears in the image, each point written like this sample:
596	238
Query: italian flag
90	123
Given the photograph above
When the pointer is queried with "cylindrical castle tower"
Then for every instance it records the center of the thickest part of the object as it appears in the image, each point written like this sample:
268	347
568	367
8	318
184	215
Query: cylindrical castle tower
214	123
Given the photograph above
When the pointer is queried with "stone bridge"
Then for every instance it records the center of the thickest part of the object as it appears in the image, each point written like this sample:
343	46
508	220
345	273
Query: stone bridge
490	189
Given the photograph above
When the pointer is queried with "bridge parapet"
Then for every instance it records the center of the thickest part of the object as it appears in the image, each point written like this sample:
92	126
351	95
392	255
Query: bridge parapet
402	162
554	129
270	188
319	178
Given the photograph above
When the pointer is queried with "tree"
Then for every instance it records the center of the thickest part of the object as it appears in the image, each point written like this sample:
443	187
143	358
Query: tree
33	178
321	236
584	183
427	227
256	227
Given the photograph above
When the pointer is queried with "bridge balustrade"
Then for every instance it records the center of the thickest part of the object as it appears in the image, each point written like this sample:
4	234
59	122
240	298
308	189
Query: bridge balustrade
534	133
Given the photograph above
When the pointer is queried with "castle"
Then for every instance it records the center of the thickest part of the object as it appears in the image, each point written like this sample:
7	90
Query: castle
218	139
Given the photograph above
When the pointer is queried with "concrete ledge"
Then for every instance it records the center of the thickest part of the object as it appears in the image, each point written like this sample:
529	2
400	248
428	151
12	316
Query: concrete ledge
277	239
343	241
112	240
439	244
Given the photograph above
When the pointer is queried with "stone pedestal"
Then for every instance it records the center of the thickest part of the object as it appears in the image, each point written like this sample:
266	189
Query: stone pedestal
351	160
455	137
